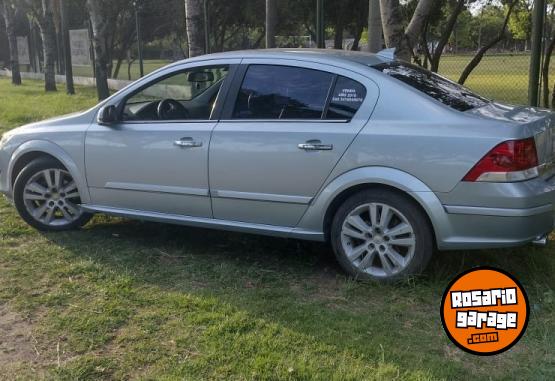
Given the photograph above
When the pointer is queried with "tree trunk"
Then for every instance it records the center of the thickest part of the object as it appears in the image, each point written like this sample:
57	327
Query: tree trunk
392	21
545	71
271	23
117	68
480	54
7	10
100	31
392	24
444	39
70	88
338	36
193	16
358	36
49	45
374	27
417	22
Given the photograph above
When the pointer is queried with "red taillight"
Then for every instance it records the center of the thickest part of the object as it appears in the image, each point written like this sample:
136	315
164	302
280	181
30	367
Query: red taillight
513	160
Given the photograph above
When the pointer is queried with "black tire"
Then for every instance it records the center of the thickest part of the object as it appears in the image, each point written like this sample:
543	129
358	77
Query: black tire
423	234
23	177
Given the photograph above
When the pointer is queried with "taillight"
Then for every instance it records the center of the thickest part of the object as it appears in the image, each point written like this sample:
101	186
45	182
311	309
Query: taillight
513	160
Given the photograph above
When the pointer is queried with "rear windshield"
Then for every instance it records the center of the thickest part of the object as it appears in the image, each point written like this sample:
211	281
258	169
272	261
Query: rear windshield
437	87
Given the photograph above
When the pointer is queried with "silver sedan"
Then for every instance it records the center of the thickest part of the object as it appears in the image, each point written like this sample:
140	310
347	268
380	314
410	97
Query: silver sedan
382	159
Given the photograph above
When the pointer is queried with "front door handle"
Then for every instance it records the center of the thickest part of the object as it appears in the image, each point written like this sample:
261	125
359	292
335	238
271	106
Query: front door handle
315	145
187	143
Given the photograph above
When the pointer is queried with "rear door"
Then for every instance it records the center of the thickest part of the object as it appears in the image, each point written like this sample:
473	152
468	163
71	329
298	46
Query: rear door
286	124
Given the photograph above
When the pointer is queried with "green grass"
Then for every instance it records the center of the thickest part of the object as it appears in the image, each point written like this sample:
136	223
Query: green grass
130	300
503	77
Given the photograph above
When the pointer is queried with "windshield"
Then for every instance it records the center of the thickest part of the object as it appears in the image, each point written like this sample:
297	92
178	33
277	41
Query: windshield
447	92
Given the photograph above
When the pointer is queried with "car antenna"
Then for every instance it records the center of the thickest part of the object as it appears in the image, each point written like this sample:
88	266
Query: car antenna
387	53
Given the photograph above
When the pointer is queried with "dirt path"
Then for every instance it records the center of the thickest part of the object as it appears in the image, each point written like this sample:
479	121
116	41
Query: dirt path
16	341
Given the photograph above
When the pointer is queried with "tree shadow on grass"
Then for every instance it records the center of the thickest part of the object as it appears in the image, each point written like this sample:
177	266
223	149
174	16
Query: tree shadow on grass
298	285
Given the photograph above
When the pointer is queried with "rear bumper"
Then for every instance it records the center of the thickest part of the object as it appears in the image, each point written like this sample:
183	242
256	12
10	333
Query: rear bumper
489	215
480	228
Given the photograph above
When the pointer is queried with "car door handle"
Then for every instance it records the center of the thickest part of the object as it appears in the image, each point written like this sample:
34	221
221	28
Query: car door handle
315	145
187	143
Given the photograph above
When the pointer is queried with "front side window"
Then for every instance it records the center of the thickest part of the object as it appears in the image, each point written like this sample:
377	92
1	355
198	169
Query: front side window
441	89
187	95
283	92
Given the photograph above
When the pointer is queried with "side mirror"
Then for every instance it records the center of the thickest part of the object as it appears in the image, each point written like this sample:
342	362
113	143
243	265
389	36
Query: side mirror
108	115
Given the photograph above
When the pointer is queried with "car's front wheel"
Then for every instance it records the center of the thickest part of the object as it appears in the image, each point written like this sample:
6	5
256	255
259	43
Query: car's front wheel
381	235
47	198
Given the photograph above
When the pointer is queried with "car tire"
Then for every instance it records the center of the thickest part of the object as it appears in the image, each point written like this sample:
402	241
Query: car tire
48	205
368	248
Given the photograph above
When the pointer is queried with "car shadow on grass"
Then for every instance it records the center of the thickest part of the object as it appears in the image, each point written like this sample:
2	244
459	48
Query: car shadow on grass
299	286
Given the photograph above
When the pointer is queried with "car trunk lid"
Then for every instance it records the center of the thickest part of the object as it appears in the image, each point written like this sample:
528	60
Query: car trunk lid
534	122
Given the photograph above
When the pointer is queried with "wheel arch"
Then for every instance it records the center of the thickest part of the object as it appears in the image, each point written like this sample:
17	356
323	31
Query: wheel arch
344	195
35	149
320	213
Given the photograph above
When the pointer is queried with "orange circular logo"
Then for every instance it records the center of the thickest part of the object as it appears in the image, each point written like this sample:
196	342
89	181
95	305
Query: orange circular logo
485	311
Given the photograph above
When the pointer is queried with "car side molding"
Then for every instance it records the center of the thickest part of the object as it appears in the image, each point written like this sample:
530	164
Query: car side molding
209	223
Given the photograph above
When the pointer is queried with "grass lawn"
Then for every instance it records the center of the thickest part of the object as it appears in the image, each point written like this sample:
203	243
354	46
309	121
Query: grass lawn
131	300
503	77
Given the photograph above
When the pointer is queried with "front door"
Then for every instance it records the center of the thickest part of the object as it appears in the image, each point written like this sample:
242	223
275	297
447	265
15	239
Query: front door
287	126
156	158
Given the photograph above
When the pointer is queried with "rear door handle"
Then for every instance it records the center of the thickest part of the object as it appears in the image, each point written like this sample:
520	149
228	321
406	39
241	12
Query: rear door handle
187	143
315	145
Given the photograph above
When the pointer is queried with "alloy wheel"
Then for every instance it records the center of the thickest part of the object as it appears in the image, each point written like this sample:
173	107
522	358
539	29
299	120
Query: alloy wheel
51	197
378	239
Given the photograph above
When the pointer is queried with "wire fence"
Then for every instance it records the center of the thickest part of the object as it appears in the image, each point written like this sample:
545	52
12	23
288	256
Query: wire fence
503	74
499	76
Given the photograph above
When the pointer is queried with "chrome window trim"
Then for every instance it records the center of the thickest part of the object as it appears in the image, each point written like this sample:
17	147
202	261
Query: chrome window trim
176	121
285	121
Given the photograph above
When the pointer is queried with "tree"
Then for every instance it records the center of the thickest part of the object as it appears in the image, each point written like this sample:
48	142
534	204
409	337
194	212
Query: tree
7	9
435	57
41	11
101	15
271	23
49	44
195	35
374	26
545	71
480	54
520	22
395	35
357	20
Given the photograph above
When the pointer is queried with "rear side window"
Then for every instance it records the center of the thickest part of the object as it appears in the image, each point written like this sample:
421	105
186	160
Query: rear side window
283	92
447	92
346	99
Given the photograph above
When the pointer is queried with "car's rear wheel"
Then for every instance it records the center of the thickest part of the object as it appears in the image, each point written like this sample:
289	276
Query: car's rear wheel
381	235
47	198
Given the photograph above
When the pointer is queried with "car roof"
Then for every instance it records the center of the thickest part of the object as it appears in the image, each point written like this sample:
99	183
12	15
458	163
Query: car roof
331	56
